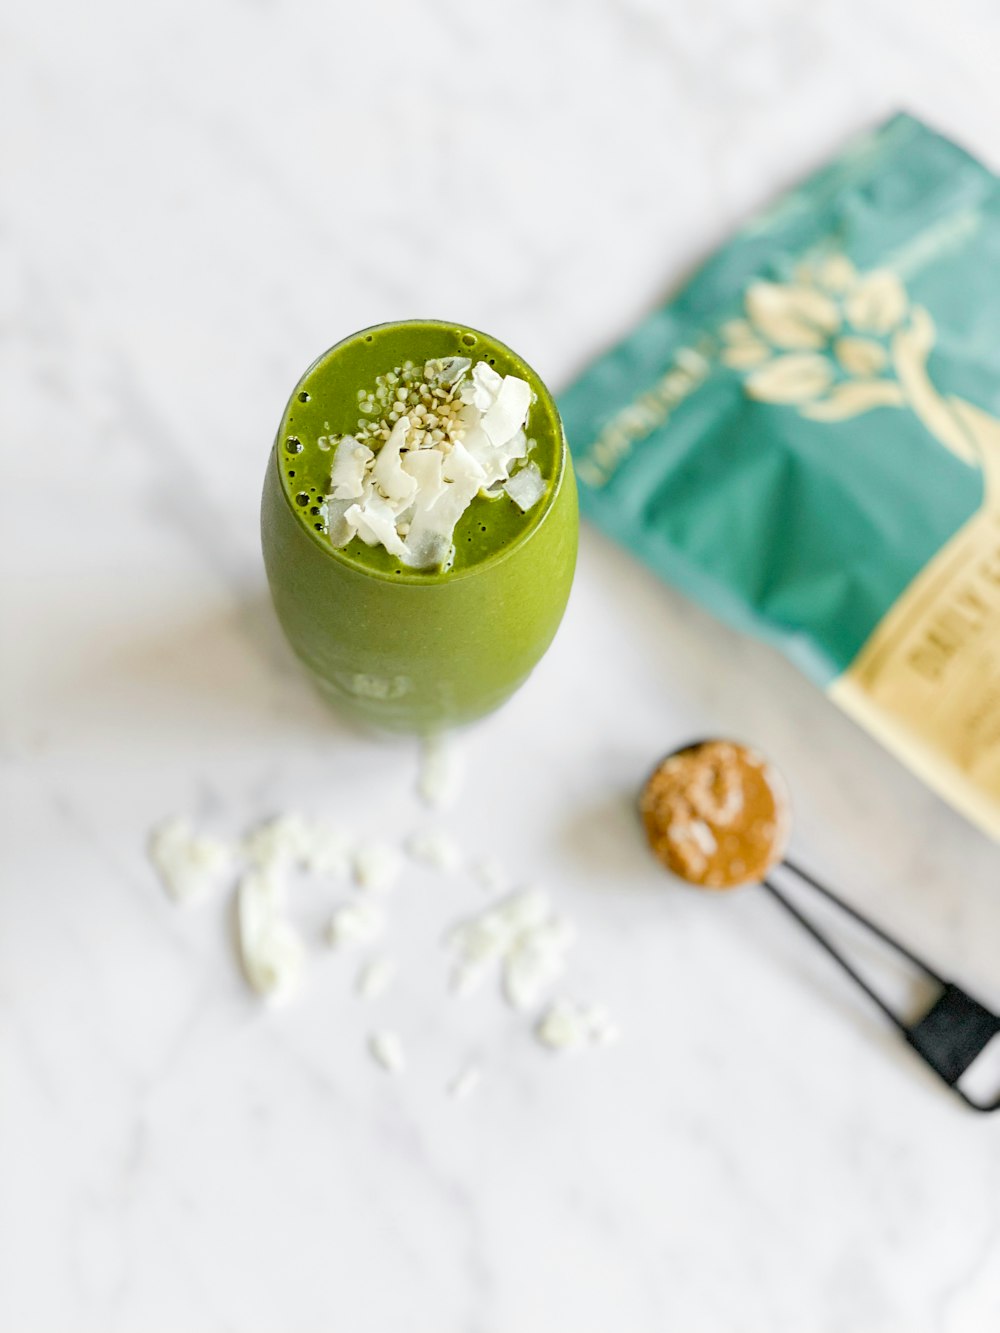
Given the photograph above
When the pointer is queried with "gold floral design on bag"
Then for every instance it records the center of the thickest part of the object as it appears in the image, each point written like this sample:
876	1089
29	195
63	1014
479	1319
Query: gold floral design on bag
834	343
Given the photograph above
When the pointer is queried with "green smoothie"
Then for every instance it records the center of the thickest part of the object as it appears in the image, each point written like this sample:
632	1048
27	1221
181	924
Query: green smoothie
415	648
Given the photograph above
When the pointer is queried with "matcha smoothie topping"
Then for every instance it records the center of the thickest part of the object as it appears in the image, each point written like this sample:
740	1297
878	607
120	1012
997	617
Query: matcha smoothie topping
430	439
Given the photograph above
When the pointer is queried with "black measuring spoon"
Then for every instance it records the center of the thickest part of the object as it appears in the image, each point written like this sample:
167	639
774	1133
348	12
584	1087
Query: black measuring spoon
681	804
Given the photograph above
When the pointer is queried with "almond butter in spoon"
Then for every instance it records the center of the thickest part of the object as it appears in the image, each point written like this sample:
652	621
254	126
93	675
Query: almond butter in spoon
716	814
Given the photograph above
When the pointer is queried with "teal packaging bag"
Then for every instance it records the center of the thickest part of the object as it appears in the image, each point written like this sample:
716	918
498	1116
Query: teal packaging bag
806	440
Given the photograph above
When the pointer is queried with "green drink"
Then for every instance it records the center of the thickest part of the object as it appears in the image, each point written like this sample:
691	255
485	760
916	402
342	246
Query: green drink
400	621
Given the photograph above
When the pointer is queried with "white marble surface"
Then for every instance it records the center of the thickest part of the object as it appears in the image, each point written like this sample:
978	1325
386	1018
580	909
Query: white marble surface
196	200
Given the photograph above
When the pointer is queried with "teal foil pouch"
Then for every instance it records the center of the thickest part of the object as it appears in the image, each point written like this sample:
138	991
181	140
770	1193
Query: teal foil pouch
806	440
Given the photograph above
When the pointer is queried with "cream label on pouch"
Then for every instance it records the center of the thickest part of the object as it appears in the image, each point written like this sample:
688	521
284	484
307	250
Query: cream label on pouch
927	682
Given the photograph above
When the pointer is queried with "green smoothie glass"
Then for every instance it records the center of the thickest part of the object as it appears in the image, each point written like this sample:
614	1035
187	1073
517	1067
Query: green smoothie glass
407	649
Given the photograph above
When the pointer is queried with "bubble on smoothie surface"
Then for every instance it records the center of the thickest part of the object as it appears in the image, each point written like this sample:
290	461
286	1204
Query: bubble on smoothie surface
430	439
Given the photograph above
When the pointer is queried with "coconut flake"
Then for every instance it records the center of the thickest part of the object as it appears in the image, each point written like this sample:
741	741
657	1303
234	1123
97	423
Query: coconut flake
568	1025
520	932
327	851
527	974
603	1029
190	864
481	938
279	841
429	549
339	528
355	924
489	875
481	391
375	521
397	485
466	978
465	1083
440	775
425	466
526	910
376	866
562	1027
509	410
436	850
386	1049
526	487
495	460
270	947
349	469
429	540
538	955
375	978
446	370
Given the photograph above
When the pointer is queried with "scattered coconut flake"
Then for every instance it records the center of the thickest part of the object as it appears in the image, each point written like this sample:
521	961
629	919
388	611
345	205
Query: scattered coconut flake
279	841
270	947
525	910
568	1025
527	975
355	923
467	977
489	875
465	1083
190	864
526	487
440	773
387	1050
536	960
436	850
375	978
603	1029
327	851
562	1027
481	938
522	933
376	866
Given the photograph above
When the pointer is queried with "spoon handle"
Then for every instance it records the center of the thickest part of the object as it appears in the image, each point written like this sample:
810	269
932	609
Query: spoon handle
949	1036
